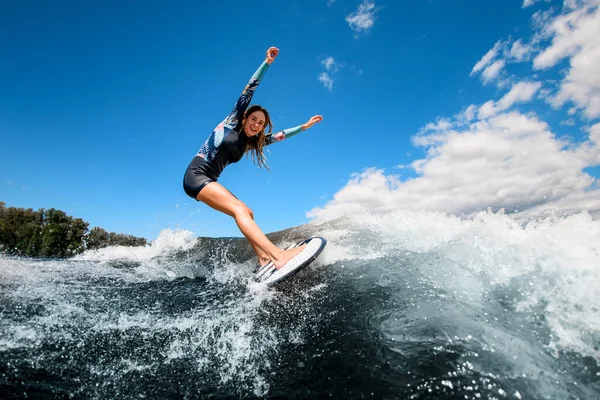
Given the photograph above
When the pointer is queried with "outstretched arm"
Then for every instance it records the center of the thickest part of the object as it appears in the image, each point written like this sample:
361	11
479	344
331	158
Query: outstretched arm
242	104
210	146
288	133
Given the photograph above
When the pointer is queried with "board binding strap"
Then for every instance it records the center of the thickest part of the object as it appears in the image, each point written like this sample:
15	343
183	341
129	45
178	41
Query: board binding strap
270	275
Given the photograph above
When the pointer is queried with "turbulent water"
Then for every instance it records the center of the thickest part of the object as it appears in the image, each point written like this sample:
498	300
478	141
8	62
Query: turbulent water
408	305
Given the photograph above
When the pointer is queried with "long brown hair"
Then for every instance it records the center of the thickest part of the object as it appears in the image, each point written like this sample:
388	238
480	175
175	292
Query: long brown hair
255	144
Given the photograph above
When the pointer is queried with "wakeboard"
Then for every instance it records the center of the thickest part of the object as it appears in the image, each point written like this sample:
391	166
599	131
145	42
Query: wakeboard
270	275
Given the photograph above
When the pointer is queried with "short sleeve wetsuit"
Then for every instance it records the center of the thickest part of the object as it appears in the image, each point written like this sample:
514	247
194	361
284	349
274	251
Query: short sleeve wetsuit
227	143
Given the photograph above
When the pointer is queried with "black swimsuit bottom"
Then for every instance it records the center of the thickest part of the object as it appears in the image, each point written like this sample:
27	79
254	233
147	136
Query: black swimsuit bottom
197	175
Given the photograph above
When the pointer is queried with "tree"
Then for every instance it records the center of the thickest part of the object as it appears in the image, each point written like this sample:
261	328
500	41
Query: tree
76	236
97	239
53	234
55	229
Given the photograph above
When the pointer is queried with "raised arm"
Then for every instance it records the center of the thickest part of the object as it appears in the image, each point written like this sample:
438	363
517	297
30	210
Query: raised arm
288	133
241	105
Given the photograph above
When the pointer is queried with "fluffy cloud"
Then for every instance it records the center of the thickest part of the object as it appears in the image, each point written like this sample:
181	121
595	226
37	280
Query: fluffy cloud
520	51
326	80
520	93
511	161
572	35
492	71
329	64
498	155
362	19
330	68
487	58
576	36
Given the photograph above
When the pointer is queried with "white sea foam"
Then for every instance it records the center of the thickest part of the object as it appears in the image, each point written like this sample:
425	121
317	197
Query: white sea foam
555	264
559	257
167	241
153	259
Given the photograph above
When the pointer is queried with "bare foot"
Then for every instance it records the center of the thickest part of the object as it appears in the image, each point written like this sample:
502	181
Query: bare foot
263	261
287	255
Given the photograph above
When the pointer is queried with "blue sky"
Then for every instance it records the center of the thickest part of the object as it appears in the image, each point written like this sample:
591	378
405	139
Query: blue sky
453	106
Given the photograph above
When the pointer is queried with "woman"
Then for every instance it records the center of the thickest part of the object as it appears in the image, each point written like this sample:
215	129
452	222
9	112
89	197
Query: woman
242	131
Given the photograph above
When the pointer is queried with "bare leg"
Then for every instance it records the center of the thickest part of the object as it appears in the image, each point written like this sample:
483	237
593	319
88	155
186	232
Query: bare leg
219	198
263	258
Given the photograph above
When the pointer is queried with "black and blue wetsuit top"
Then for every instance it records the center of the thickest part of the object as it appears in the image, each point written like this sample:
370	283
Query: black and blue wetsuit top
227	142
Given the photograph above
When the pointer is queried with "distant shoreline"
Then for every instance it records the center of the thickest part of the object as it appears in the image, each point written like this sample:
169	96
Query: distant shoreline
52	234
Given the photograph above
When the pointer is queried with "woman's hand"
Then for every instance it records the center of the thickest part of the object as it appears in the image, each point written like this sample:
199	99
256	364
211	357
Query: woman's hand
311	122
271	54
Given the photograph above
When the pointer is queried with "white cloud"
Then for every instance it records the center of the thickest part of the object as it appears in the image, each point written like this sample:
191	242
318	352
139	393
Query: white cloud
329	64
520	93
590	150
493	71
540	19
330	3
487	109
440	125
326	80
362	19
576	36
569	122
569	33
493	155
491	64
520	51
487	58
528	3
595	134
510	161
469	114
331	68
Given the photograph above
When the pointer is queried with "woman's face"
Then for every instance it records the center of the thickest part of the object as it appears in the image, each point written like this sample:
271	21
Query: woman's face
254	123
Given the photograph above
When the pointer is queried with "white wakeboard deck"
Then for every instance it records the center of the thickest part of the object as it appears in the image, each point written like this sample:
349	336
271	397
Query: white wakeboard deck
270	275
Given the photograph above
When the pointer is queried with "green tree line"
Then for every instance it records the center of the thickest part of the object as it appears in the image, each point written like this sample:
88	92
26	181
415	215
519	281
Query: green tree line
53	234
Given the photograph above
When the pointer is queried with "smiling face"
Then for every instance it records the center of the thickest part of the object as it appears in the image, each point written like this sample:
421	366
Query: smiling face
254	123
